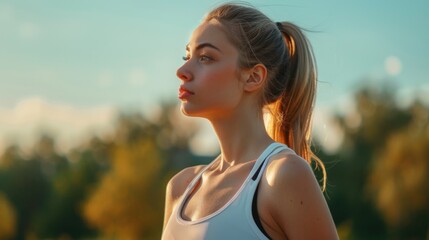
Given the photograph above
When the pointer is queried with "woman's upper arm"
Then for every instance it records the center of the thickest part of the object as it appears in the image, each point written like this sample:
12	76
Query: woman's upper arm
297	203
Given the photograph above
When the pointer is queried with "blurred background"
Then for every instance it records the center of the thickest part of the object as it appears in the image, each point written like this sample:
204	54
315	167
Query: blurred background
90	127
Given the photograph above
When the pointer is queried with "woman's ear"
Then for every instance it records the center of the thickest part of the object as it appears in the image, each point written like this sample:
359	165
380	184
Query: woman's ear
255	78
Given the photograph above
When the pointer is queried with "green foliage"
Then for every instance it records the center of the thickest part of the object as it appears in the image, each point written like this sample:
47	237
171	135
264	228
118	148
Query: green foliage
400	176
369	164
26	186
70	188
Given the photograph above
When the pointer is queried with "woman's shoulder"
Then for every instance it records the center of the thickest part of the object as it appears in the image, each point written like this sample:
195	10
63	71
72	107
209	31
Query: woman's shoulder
289	177
288	168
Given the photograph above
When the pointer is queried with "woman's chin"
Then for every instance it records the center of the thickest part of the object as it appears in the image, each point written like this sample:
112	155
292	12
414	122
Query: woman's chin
188	111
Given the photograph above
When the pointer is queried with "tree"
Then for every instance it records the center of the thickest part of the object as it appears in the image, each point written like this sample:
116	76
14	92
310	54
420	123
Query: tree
7	218
62	214
400	176
26	186
125	203
366	130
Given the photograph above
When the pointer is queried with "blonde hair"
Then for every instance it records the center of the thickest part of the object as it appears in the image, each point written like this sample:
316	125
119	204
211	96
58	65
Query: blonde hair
289	93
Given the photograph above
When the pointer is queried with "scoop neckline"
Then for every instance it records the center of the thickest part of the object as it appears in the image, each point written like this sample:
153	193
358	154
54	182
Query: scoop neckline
186	196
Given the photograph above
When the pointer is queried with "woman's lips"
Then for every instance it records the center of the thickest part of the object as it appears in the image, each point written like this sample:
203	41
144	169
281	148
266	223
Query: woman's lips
184	93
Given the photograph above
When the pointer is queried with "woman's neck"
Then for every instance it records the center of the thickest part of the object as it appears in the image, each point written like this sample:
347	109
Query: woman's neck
242	138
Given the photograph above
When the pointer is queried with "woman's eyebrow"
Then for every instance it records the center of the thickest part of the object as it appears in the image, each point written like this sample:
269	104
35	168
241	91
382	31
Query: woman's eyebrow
203	45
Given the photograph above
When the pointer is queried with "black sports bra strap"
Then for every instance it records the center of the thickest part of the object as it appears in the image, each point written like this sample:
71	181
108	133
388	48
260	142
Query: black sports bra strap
255	175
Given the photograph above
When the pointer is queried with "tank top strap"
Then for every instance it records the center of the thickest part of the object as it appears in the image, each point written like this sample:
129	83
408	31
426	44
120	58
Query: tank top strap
275	148
261	160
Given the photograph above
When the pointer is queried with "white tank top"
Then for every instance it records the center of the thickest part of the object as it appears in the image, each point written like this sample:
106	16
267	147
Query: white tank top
232	221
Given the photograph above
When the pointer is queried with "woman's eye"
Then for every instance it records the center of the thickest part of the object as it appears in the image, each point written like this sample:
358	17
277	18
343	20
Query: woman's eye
202	58
205	58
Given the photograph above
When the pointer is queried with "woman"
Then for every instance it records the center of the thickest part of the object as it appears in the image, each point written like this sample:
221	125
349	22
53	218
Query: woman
240	65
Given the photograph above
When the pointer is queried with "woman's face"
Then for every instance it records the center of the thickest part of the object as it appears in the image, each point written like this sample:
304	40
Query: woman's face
211	85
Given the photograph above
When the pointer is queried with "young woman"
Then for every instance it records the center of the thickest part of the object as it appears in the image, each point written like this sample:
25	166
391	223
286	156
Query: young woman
240	67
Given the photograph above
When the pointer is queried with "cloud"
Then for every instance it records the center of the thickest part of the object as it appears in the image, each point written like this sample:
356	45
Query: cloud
24	122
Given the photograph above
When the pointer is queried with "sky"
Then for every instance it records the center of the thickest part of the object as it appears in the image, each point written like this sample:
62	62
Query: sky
66	67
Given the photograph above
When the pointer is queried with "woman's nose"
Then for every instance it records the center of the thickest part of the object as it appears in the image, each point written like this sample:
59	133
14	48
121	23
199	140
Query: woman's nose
183	73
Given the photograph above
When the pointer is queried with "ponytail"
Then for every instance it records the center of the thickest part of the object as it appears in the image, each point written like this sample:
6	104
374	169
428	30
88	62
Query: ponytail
292	111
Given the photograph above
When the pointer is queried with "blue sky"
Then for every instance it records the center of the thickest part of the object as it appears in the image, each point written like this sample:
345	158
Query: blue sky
91	55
